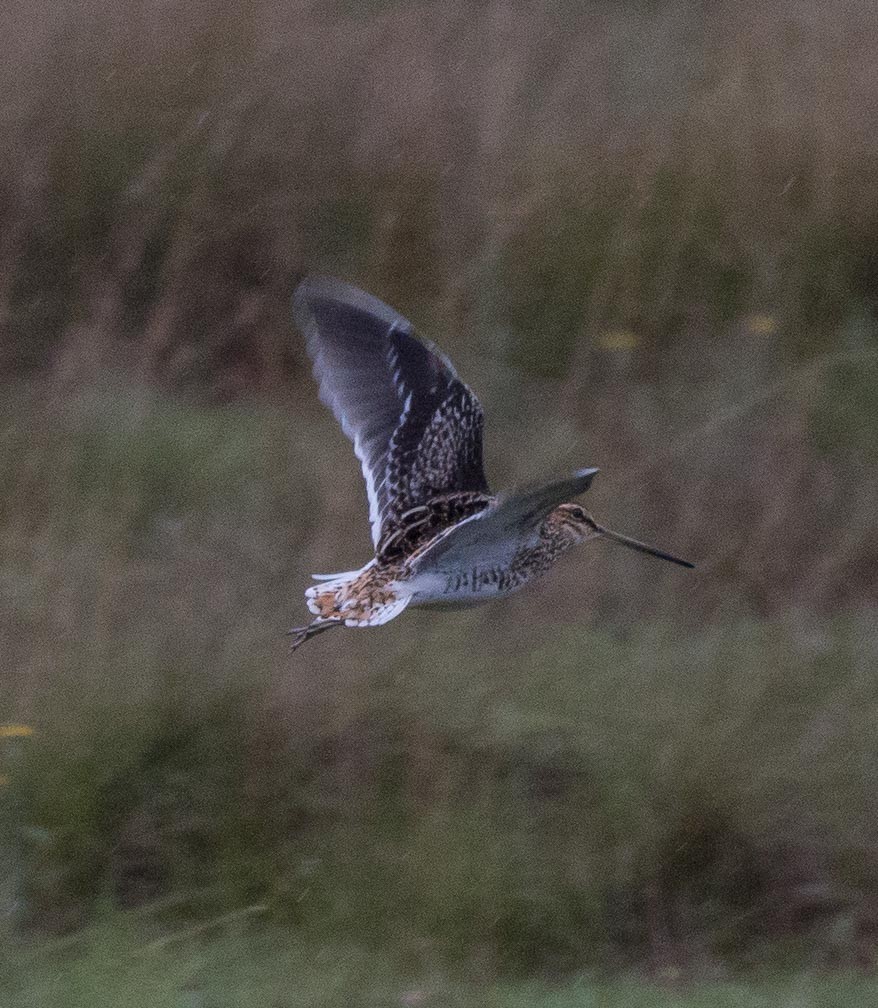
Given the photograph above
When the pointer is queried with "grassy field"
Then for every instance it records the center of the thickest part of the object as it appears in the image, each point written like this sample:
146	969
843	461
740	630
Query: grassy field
578	786
645	233
120	966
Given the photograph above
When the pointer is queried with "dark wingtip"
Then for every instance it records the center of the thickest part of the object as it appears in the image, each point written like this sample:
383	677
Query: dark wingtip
316	287
582	478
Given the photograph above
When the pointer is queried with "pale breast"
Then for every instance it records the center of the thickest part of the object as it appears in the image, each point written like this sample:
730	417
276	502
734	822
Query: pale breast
466	586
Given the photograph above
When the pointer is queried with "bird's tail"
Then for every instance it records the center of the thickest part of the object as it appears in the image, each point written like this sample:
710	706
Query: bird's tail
345	576
324	599
354	599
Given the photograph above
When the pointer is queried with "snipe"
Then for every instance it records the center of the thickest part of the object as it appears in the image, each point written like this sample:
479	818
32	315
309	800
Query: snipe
440	535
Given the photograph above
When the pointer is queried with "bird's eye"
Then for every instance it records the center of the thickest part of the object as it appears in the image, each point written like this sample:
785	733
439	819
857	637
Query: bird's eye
577	513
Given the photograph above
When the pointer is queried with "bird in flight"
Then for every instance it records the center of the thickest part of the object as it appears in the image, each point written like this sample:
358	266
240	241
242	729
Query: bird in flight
440	535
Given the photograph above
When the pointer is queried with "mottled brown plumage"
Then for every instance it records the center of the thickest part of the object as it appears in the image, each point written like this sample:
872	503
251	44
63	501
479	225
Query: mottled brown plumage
440	535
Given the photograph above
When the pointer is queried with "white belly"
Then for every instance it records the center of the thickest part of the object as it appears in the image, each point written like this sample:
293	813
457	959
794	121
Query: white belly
463	587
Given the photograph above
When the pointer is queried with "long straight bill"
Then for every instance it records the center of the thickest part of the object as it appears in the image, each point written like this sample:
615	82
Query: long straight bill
635	544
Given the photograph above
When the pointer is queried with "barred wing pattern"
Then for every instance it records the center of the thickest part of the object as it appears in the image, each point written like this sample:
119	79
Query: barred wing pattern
415	426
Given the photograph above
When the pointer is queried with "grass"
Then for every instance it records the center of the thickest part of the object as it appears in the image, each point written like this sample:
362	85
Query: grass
238	966
162	180
579	790
645	234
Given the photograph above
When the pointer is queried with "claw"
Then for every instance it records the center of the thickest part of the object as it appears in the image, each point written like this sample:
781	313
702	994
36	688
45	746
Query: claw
301	634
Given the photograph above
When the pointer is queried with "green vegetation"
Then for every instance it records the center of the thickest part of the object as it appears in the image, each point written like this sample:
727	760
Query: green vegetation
645	233
162	180
565	795
233	965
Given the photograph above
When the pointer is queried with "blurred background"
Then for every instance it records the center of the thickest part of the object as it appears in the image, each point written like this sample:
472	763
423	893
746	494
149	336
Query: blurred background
646	234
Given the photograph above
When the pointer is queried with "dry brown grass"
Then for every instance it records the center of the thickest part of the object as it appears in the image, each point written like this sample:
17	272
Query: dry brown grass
522	180
437	152
645	233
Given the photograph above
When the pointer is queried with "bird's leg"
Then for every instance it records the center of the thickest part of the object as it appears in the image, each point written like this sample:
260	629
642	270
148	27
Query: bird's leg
301	634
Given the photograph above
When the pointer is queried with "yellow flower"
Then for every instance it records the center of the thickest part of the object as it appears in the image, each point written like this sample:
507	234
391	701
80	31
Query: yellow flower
618	339
15	731
762	325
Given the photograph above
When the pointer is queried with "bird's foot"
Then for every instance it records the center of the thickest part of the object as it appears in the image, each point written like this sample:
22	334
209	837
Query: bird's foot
301	634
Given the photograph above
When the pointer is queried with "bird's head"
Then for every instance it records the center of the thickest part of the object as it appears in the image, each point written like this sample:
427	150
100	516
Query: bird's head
574	523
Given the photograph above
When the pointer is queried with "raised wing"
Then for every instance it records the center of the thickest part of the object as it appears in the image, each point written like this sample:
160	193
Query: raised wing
494	535
415	426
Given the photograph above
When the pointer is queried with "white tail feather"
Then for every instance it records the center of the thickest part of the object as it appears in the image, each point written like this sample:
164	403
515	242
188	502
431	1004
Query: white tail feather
381	614
343	576
329	583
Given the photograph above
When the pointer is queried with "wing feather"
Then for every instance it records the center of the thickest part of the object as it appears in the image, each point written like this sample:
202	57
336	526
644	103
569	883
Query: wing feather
494	534
416	428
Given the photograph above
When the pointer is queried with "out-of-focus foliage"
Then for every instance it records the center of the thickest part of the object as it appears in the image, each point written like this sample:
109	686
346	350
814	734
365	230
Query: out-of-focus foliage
166	173
645	233
132	959
532	780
